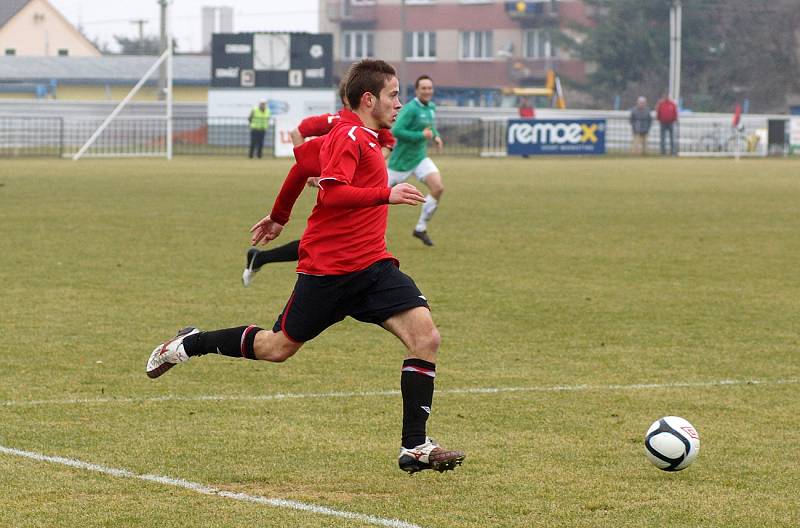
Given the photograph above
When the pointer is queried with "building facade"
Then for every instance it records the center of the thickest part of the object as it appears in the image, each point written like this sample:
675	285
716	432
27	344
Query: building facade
471	48
34	28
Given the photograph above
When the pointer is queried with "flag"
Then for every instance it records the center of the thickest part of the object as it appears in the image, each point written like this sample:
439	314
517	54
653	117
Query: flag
737	115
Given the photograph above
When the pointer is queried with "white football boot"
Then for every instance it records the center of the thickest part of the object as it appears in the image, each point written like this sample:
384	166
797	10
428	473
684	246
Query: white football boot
168	354
429	455
249	271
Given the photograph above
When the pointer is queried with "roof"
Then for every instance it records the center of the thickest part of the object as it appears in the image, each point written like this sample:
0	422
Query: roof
112	69
9	8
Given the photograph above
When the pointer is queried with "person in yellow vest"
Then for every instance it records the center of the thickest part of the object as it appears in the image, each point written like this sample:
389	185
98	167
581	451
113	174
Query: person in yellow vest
259	120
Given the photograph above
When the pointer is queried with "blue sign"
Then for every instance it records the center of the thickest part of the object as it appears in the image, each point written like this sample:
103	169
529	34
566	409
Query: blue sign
556	136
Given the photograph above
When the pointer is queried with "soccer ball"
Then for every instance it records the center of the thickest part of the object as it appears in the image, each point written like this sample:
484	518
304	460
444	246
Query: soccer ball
671	443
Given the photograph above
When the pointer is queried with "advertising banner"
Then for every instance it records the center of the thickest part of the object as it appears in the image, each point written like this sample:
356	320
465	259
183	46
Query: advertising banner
794	134
556	136
282	141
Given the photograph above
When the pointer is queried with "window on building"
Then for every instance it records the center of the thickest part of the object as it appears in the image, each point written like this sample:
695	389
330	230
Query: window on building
477	45
63	52
536	44
11	51
420	45
358	45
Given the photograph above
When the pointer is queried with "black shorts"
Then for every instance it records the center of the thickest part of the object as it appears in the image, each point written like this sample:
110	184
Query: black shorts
372	295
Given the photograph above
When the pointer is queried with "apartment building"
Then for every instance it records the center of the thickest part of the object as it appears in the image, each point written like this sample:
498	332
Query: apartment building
471	48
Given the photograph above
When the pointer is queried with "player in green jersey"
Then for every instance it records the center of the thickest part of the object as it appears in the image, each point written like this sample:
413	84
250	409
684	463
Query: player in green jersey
415	126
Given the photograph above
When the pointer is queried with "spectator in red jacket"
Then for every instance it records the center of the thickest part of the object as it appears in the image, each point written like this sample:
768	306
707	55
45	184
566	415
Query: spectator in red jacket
667	115
526	110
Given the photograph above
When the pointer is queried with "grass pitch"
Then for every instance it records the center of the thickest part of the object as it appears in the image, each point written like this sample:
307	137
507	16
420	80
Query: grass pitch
594	295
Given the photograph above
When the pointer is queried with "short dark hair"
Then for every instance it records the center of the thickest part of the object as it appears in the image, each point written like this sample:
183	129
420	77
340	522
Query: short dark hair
343	92
367	75
422	78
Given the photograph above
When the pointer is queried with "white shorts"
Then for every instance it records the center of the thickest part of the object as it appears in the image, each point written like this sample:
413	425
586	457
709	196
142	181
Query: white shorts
424	168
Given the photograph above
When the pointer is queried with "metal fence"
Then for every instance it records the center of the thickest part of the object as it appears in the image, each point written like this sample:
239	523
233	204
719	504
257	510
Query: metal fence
463	136
31	136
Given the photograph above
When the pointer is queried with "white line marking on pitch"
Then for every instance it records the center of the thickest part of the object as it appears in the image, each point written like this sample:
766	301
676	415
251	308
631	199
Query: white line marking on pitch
207	490
325	395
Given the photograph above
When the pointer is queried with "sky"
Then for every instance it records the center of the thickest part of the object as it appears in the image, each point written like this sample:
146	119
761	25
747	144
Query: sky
102	19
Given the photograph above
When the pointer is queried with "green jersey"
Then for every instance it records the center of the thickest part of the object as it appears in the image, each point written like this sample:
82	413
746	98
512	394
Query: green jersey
412	145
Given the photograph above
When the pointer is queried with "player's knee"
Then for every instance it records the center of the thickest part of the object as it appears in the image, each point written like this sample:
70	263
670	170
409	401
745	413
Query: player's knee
274	347
278	355
428	341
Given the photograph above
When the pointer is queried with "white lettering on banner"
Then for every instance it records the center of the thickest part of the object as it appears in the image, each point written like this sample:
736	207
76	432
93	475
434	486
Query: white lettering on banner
227	73
232	49
315	73
546	133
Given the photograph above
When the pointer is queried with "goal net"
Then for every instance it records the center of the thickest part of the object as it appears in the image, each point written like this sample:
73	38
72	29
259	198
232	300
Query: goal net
137	136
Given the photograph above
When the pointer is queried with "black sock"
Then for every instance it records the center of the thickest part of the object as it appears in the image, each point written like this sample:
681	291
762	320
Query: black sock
416	385
233	342
285	253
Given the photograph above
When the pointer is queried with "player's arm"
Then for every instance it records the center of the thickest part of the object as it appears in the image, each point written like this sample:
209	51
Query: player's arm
436	133
269	227
402	127
341	195
437	137
297	137
340	158
313	126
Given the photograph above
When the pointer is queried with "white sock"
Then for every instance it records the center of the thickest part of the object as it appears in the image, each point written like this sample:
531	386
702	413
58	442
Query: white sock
428	208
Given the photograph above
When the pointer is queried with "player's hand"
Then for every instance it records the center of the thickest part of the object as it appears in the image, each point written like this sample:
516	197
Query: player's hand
439	143
313	182
265	230
428	133
405	193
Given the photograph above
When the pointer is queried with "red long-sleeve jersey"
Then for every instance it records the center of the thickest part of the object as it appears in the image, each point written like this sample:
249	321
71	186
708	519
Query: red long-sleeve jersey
347	228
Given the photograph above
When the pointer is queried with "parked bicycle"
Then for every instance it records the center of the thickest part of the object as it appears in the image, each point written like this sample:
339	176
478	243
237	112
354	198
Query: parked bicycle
727	139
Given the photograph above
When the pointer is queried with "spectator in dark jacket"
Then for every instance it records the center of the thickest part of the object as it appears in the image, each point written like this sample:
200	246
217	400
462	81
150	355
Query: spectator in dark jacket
667	115
640	125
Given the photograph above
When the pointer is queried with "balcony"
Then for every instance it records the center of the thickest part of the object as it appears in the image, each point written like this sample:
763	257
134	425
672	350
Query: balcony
352	12
532	12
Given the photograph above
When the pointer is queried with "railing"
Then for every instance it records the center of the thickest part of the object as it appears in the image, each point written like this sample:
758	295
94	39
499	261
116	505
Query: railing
463	136
31	136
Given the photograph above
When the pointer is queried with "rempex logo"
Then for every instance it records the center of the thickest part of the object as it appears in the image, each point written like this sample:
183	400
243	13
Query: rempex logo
553	133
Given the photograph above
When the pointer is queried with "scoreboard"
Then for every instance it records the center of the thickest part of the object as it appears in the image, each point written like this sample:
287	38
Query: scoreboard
271	60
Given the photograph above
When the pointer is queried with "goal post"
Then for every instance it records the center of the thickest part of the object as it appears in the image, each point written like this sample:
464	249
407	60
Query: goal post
134	150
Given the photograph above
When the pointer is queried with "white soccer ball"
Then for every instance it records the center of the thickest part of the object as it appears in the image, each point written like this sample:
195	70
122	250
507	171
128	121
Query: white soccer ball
671	443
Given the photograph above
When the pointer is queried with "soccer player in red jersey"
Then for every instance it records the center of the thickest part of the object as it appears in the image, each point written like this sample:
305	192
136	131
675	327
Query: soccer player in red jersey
308	160
345	268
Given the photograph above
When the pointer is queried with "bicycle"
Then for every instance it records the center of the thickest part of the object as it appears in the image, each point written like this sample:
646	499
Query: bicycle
721	140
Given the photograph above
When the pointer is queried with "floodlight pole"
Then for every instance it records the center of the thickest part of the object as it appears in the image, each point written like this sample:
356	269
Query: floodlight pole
675	29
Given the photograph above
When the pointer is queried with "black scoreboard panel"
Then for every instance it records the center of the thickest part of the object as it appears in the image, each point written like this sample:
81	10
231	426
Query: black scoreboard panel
271	60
